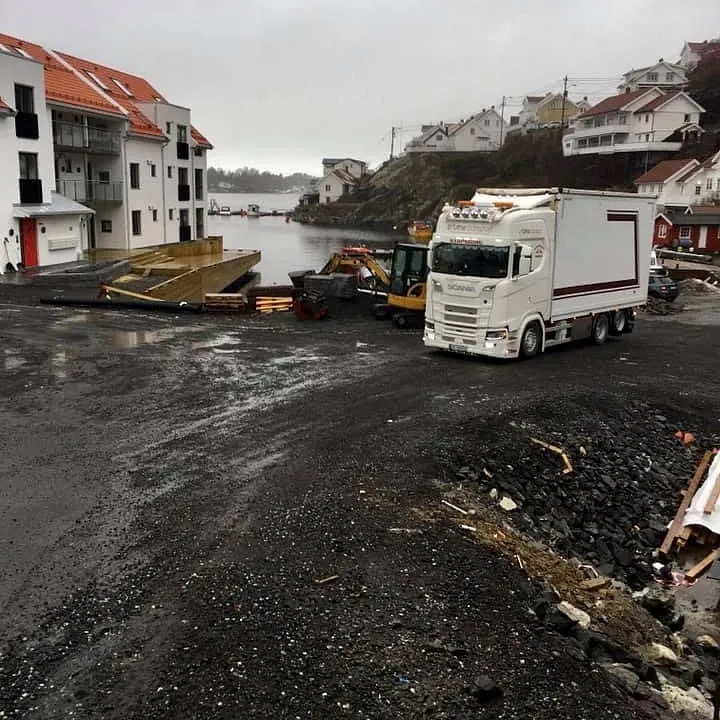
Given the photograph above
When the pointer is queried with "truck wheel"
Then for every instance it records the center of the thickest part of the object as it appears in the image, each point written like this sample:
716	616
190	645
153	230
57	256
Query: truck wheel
601	329
531	339
619	323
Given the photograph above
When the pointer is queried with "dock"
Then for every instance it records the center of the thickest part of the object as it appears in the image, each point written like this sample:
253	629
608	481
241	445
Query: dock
183	272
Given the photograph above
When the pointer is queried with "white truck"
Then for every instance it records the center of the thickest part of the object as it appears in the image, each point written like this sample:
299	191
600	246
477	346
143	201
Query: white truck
513	272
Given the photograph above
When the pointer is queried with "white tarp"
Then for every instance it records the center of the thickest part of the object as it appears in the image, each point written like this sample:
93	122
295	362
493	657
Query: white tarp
695	514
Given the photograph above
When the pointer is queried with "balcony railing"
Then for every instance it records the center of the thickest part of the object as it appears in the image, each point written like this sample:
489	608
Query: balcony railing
185	233
183	193
67	136
183	151
26	126
91	191
31	192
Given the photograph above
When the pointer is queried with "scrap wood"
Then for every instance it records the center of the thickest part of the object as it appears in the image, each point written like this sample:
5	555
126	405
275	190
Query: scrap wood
559	451
676	525
327	580
703	565
455	507
105	291
712	500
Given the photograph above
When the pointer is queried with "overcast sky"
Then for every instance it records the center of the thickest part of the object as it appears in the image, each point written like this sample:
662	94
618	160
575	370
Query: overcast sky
278	84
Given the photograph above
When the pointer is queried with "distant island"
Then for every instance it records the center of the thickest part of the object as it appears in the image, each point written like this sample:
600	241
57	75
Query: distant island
250	180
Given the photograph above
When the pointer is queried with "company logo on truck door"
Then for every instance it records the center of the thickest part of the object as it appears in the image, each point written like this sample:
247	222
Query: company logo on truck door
466	241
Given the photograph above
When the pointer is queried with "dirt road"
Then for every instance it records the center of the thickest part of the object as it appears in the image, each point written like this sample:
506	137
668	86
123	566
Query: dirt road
173	489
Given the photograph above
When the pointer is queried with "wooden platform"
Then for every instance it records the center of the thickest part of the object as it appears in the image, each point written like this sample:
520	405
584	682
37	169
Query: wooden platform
186	271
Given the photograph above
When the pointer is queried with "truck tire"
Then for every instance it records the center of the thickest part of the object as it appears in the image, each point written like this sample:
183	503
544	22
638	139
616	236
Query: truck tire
531	341
601	329
619	323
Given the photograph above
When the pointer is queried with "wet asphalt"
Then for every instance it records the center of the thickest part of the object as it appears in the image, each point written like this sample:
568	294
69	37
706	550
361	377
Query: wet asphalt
173	489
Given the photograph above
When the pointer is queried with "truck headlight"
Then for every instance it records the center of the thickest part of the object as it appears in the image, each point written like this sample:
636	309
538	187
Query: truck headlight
496	334
429	324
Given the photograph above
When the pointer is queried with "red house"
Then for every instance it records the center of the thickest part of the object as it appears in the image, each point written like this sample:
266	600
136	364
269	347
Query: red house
698	228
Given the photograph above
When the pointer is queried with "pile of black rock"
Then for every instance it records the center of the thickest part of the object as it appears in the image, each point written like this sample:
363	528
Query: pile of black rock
613	508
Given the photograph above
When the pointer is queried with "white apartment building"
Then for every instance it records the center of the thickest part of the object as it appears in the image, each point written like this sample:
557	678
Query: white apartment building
118	147
37	226
667	76
647	120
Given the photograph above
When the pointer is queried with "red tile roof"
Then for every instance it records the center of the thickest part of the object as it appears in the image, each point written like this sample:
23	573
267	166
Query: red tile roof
199	138
657	102
664	170
73	86
4	107
706	209
612	104
702	47
62	85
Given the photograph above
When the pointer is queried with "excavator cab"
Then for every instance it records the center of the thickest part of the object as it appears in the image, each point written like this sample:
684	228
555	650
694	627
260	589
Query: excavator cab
406	295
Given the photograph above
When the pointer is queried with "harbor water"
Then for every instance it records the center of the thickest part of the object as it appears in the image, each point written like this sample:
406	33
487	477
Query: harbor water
285	246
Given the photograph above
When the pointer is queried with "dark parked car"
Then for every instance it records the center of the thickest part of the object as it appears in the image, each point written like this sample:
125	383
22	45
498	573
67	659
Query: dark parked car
662	287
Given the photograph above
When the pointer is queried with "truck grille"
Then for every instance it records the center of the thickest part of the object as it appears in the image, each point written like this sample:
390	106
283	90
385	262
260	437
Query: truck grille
457	317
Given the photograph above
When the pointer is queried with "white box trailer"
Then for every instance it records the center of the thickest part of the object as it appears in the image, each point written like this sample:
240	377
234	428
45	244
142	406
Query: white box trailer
513	272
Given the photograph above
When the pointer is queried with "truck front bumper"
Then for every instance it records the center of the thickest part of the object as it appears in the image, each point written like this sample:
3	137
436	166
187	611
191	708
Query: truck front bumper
490	343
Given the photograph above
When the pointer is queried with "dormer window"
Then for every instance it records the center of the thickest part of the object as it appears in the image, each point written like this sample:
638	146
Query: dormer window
122	87
24	53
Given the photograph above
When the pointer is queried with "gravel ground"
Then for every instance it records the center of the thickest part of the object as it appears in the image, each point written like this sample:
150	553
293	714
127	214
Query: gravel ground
174	489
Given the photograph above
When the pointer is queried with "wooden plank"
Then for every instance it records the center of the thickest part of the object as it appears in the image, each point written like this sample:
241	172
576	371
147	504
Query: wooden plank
112	290
703	565
712	500
677	522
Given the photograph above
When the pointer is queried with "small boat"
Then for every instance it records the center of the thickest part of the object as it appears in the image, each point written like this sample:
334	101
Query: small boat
225	210
253	211
420	230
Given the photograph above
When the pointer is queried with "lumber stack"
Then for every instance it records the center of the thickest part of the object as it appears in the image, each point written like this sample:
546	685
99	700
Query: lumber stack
225	302
265	304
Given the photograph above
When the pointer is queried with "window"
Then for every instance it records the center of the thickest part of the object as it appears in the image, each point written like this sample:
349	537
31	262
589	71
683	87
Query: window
135	176
708	184
183	176
170	171
24	99
122	87
154	215
439	136
136	217
28	166
669	77
662	231
647	118
328	187
168	127
486	122
153	170
184	217
472	131
170	214
698	189
106	226
687	118
685	232
24	53
182	133
97	80
652	77
718	184
198	152
104	177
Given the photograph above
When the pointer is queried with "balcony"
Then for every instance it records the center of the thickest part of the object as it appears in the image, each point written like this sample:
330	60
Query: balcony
183	151
185	233
68	136
26	126
91	191
31	192
619	146
183	193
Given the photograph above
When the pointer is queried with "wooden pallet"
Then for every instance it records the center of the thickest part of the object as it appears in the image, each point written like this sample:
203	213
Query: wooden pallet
228	302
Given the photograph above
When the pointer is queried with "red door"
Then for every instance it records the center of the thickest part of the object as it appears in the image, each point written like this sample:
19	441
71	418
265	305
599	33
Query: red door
28	236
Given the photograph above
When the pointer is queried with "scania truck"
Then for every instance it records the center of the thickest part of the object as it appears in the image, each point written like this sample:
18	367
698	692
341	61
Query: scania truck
515	271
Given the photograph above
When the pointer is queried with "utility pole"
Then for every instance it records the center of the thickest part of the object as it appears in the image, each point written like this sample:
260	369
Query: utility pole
392	141
502	120
562	111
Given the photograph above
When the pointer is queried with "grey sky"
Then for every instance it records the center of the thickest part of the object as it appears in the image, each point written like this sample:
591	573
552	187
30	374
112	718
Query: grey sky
278	84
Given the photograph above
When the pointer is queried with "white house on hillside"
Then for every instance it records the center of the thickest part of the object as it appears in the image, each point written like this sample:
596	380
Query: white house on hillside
693	52
662	74
356	168
37	226
484	132
641	121
120	148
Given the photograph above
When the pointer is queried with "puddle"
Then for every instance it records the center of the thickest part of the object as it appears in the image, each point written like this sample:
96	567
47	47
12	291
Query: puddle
59	363
134	338
82	316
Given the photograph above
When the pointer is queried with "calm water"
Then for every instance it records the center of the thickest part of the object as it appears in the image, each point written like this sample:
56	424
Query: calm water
285	246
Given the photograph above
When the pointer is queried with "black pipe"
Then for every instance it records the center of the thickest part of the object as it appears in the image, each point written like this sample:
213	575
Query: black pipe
159	305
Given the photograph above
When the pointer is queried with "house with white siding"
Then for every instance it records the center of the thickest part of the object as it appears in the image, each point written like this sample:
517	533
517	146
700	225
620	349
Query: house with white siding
641	121
667	76
693	52
484	132
119	148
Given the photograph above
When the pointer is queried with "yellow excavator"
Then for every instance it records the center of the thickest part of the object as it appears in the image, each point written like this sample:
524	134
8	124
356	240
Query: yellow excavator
405	284
406	287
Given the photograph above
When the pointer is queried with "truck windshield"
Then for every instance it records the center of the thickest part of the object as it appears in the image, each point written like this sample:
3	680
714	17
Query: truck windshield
474	260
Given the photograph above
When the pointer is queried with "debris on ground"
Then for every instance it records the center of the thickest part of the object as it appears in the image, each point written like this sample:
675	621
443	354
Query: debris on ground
658	306
694	286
